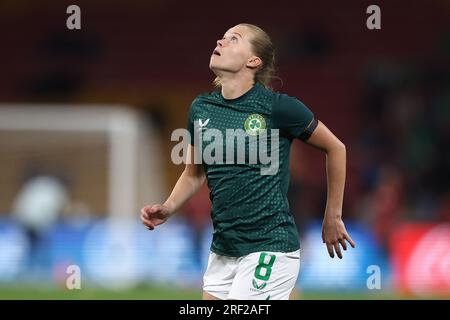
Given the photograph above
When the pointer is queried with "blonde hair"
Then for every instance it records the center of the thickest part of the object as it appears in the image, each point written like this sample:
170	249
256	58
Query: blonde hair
263	48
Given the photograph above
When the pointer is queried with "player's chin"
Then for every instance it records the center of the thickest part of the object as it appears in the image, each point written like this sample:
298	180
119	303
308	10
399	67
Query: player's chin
215	62
213	65
219	68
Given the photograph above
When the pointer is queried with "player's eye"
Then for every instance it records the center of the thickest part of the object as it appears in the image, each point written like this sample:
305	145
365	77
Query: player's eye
234	38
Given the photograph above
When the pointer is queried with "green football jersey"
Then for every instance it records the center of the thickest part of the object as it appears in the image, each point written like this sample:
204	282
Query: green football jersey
250	210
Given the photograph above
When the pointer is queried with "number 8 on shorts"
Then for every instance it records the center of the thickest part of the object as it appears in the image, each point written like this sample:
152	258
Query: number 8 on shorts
264	269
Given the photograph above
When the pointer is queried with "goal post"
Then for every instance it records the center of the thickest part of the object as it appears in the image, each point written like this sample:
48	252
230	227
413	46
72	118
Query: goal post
134	165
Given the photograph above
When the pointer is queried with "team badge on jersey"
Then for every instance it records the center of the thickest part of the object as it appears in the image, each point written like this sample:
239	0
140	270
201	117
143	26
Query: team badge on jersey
255	124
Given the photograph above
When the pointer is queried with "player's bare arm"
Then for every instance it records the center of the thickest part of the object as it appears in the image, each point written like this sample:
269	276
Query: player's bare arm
333	228
188	184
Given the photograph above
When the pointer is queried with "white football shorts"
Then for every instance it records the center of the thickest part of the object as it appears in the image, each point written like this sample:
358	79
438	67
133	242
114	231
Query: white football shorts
256	276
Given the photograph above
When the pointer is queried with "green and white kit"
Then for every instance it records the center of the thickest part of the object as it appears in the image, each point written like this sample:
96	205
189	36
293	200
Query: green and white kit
250	211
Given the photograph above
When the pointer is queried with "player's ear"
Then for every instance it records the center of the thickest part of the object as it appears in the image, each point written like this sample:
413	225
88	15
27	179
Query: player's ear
254	62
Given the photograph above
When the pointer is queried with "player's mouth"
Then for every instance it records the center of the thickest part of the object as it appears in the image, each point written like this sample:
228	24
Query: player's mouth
217	53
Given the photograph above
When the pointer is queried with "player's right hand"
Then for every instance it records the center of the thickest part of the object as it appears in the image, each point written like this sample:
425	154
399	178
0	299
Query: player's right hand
154	215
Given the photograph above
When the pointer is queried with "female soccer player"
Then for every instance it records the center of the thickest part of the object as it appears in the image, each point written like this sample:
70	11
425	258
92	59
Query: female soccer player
255	248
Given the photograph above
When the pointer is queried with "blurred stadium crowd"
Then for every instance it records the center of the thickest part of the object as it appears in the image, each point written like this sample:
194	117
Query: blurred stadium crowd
384	93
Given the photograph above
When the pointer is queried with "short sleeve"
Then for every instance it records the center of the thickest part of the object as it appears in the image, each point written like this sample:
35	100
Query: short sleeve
191	119
292	117
190	123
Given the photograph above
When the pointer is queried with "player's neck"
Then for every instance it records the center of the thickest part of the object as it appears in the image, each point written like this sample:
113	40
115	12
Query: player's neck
236	86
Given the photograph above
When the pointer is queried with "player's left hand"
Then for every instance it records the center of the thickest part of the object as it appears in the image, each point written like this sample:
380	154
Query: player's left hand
333	234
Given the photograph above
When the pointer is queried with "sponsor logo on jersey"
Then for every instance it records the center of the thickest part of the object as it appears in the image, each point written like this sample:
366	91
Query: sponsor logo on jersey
202	124
259	286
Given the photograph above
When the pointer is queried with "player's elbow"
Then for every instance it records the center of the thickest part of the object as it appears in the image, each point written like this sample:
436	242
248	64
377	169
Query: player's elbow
337	146
341	146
